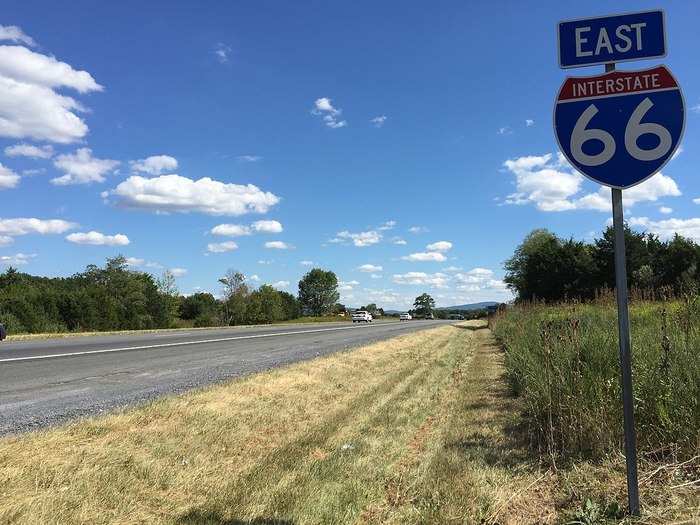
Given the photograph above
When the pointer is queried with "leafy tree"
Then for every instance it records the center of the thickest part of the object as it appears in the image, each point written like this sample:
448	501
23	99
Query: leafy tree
107	298
290	305
637	251
271	309
318	291
544	267
168	288
235	292
200	305
339	308
423	305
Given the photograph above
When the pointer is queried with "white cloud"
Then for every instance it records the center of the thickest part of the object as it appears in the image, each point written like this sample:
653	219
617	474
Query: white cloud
29	150
425	256
667	228
94	238
324	107
30	106
28	110
650	190
254	278
249	158
481	272
553	185
347	286
173	193
15	34
529	122
238	230
267	226
8	178
418	229
440	246
82	168
543	183
437	280
154	165
18	259
306	263
221	247
139	262
370	268
23	65
505	130
324	104
280	285
222	52
398	241
135	261
665	210
278	245
361	239
379	121
376	276
479	280
452	269
25	226
388	225
6	240
33	171
231	230
265	262
178	272
695	108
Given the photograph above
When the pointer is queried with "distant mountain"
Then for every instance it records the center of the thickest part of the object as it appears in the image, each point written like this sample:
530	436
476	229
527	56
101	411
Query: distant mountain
472	306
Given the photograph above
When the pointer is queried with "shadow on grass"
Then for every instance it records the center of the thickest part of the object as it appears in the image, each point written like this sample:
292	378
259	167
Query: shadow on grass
501	437
211	517
471	328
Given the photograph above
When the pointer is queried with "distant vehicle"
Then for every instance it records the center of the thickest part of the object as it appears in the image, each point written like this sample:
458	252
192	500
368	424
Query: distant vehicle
456	317
361	316
405	317
3	332
429	316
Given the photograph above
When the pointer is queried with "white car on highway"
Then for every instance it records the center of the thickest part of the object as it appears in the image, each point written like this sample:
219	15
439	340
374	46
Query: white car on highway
361	316
405	317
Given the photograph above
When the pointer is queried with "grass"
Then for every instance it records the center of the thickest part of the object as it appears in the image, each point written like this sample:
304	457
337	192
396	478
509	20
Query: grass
563	361
416	429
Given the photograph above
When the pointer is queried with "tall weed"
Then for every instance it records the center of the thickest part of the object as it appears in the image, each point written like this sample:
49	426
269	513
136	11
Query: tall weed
563	361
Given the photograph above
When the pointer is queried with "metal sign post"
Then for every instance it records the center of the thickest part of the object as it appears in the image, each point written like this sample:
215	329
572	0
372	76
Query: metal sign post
619	129
623	323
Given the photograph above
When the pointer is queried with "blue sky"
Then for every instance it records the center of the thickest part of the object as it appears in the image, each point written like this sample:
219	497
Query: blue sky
407	147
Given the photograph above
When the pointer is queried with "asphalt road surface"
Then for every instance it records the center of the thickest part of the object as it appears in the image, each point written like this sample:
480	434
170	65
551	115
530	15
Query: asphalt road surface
50	381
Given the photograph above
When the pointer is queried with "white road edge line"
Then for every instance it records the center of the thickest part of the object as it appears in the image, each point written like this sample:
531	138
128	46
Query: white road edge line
182	343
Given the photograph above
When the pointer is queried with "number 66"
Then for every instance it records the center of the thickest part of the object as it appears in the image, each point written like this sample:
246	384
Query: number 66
635	128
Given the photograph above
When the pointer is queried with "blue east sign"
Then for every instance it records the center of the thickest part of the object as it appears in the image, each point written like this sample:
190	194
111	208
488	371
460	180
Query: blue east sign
618	38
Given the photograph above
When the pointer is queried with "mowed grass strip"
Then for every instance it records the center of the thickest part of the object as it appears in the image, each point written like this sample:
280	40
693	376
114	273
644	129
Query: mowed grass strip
468	463
313	442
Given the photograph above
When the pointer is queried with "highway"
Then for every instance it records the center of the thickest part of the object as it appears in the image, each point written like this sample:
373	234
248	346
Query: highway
51	381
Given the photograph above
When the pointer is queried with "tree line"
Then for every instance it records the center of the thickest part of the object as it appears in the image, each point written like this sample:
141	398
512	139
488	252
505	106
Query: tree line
115	297
548	268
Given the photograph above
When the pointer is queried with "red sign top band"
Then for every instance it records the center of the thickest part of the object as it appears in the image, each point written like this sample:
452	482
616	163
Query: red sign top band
617	83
